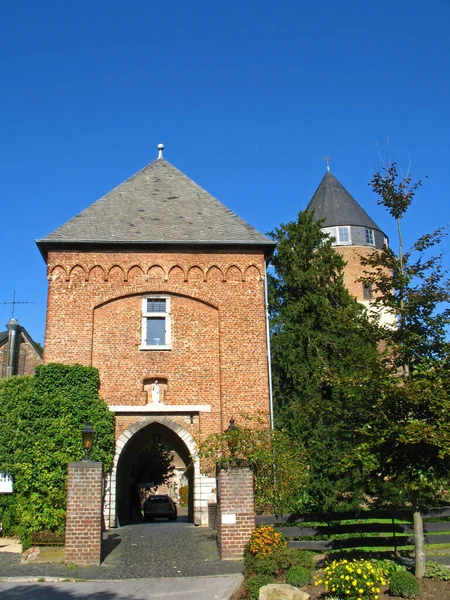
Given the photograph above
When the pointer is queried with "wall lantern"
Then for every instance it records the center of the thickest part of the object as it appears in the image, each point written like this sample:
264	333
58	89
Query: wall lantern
87	435
232	426
232	440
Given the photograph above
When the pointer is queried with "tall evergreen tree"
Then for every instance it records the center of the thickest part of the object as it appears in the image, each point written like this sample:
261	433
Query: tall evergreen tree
324	352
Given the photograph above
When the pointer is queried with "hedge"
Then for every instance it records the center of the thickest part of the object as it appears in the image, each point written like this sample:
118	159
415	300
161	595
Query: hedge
41	418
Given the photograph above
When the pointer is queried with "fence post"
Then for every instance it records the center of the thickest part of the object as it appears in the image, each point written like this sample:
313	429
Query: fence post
235	511
419	544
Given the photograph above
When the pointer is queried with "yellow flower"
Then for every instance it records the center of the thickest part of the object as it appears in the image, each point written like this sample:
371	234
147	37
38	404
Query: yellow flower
354	582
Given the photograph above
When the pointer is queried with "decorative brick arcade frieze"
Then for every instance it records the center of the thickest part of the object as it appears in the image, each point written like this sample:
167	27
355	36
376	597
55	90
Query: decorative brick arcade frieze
84	513
236	512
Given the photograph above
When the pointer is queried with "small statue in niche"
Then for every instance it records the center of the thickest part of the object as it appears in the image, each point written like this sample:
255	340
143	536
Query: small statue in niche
155	390
155	393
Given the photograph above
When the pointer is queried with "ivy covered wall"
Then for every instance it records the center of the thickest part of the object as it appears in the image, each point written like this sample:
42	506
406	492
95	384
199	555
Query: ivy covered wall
41	418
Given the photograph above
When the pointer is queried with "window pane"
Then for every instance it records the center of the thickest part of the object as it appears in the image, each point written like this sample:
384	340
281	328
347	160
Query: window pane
369	237
156	335
343	234
156	305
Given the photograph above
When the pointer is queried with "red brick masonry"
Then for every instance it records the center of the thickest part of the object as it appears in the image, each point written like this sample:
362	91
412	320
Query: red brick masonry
218	355
236	512
84	513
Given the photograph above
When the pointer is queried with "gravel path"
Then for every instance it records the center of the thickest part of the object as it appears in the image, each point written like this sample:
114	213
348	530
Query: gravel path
156	549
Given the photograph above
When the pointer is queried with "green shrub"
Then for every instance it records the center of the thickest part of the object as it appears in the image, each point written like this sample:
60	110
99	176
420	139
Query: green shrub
299	576
404	585
290	557
26	540
249	561
261	565
434	570
184	495
259	447
255	582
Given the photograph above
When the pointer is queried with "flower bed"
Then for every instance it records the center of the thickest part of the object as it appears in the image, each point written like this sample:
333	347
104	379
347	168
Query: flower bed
267	559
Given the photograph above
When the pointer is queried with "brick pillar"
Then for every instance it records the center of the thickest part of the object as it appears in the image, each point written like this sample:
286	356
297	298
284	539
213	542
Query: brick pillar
84	513
235	511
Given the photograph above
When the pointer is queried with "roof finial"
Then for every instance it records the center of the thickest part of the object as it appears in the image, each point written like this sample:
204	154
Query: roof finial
160	150
327	159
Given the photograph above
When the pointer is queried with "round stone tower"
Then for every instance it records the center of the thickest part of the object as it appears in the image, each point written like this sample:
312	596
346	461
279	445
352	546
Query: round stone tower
355	234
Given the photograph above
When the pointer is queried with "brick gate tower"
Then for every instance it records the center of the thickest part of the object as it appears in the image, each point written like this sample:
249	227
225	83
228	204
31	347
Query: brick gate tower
161	287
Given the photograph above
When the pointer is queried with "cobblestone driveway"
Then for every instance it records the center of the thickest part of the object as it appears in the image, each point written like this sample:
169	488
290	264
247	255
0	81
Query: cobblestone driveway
157	549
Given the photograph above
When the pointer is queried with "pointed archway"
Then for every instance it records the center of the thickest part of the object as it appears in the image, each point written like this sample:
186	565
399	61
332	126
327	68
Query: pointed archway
134	440
128	501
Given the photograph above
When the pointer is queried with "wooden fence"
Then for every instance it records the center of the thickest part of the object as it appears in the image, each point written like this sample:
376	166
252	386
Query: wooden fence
372	529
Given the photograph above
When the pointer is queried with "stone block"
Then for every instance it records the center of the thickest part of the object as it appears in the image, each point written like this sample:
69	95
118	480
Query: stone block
281	591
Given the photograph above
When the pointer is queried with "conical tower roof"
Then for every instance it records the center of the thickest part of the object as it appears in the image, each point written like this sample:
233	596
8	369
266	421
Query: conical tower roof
333	203
157	206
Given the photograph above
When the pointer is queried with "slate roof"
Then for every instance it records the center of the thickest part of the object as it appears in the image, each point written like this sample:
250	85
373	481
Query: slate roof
332	202
158	205
3	337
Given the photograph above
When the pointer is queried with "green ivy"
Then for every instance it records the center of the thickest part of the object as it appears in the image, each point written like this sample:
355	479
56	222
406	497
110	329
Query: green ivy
41	418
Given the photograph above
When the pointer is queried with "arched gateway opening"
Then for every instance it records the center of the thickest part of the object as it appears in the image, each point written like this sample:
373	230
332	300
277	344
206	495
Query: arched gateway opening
120	507
128	483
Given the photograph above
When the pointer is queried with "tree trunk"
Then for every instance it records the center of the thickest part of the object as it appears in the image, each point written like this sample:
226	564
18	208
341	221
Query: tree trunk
419	541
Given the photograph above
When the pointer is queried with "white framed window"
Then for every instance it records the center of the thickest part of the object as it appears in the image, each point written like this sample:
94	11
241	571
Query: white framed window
343	235
339	235
156	323
370	240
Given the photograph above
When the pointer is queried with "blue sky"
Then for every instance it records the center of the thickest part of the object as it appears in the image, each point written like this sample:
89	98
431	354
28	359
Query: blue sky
247	96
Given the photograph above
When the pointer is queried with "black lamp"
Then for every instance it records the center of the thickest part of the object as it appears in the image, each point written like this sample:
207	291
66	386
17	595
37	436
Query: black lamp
232	441
232	426
87	435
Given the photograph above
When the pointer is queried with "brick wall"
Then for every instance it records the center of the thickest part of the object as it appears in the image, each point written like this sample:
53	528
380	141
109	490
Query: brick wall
84	513
29	359
353	270
236	513
218	354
